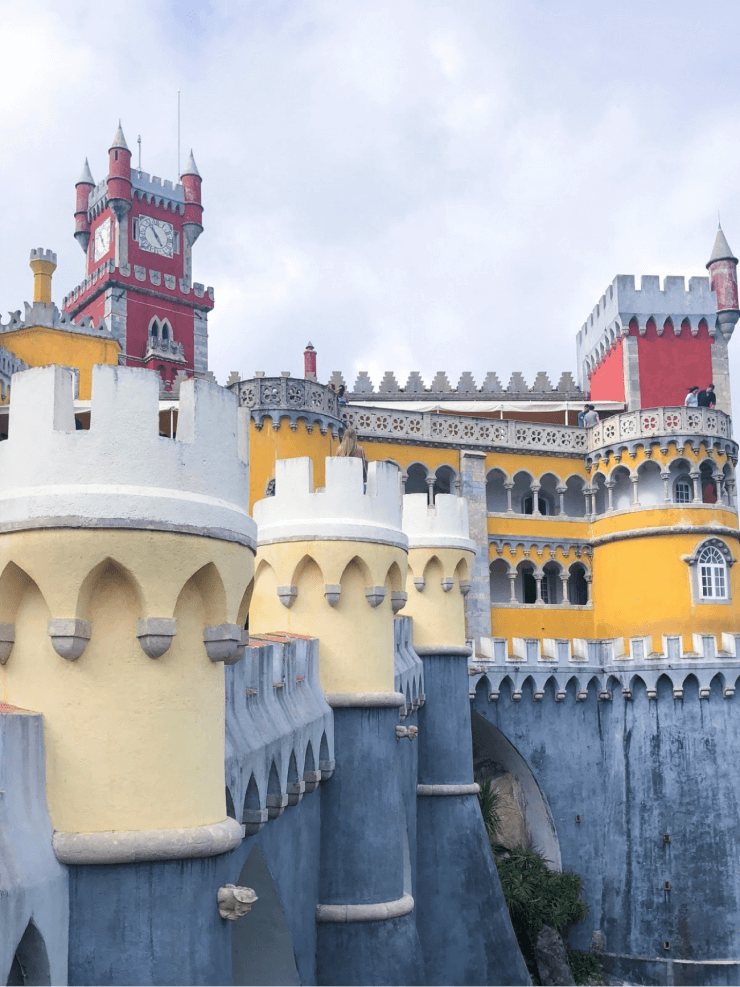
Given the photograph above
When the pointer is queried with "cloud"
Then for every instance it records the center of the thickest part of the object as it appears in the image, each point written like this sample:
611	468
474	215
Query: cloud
410	184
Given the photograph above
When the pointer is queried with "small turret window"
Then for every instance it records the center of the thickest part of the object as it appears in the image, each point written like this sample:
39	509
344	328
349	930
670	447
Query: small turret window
135	228
712	574
177	242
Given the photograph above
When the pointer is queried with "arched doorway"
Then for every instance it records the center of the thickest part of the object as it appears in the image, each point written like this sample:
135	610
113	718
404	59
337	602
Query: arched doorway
525	814
31	962
261	947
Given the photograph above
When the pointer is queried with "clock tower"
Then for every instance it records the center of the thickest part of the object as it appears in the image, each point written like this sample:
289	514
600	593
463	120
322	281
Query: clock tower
138	233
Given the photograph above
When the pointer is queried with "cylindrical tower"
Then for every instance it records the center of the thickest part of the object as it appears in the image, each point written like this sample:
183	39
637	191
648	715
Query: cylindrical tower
193	216
83	188
452	845
329	564
119	175
309	363
43	264
123	578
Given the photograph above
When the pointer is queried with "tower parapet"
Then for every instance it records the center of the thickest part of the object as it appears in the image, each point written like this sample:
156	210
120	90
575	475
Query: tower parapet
54	476
329	563
125	561
440	556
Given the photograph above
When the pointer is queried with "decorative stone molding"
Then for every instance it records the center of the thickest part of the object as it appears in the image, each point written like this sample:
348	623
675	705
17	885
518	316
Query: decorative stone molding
425	428
408	733
233	902
363	700
327	766
378	912
7	640
375	595
222	642
288	595
69	637
289	397
399	599
276	805
136	846
311	781
254	821
332	592
296	790
427	791
419	583
679	425
155	635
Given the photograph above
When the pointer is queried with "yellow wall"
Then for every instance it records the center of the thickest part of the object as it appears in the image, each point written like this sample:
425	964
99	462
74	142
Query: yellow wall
132	743
40	346
642	586
439	616
267	445
356	639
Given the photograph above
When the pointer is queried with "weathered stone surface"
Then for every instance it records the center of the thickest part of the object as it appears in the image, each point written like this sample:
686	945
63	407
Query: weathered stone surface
552	958
511	806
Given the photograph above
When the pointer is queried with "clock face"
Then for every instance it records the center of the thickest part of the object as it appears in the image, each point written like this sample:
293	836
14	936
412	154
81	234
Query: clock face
156	236
102	239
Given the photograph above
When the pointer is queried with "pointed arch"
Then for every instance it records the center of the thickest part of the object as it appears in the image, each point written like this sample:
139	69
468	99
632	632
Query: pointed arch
104	572
394	578
230	811
252	800
433	570
309	763
356	564
307	568
261	946
31	961
207	583
15	583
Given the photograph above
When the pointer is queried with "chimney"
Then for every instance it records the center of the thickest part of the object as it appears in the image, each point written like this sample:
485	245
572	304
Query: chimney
309	363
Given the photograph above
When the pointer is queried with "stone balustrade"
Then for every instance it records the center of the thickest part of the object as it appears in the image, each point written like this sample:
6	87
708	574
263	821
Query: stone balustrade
633	428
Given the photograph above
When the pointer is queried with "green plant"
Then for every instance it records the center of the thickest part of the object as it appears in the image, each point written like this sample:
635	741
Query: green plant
537	896
488	799
585	967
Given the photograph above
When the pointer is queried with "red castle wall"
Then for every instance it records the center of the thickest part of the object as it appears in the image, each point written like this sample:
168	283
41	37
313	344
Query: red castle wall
139	313
607	381
670	364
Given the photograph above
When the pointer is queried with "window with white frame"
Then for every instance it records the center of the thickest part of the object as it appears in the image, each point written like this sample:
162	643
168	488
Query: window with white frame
682	491
712	574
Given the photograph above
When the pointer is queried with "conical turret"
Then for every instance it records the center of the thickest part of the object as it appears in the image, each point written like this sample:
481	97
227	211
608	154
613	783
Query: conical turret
119	175
193	217
722	267
83	188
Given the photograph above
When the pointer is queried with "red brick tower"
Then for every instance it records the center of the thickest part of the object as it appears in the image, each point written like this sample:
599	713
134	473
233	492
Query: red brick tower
138	232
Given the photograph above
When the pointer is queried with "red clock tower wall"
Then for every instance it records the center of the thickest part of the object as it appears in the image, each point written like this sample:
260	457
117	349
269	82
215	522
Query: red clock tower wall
138	232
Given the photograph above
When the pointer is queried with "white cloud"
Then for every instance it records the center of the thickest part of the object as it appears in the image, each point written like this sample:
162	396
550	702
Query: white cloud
410	184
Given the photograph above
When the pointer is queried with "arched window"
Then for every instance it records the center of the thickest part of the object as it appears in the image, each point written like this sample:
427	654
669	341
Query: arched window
154	331
543	505
577	586
165	331
712	574
529	585
683	491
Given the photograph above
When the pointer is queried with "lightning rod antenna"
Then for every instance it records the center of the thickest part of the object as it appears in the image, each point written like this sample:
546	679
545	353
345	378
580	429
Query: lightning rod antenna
178	133
139	155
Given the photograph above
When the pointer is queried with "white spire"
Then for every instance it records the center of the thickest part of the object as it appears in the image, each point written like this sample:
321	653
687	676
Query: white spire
86	177
191	168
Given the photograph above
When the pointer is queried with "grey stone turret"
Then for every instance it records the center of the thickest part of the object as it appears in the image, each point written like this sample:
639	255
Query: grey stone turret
119	140
191	167
721	249
86	177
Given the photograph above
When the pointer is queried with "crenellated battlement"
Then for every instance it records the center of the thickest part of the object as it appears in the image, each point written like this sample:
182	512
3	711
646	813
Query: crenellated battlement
441	525
339	511
161	192
39	253
122	473
673	305
49	316
128	274
440	389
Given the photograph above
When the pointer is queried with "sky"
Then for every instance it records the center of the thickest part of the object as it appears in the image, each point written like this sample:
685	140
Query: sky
408	184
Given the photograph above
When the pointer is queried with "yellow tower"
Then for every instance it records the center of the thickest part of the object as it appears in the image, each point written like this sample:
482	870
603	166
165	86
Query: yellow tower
440	556
126	561
332	564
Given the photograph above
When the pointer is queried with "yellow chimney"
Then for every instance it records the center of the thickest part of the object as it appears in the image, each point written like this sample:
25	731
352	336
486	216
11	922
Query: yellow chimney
43	264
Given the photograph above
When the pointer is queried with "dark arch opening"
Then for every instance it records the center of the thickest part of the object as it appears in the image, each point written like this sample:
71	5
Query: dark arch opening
261	946
31	961
496	757
230	812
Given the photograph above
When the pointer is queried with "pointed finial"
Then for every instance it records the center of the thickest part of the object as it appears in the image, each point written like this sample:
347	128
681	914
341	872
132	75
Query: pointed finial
721	249
119	140
86	177
191	167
